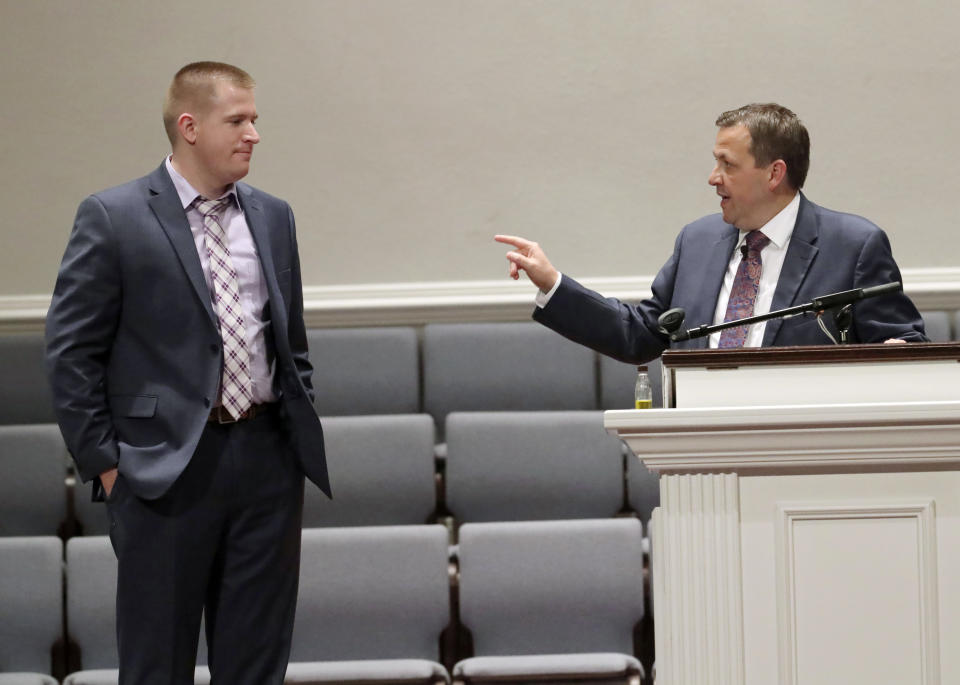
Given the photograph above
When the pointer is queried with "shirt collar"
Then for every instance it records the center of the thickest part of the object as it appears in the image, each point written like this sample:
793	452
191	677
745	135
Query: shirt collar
187	193
780	227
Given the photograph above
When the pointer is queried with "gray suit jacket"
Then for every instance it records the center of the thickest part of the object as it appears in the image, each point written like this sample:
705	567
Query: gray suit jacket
133	349
828	252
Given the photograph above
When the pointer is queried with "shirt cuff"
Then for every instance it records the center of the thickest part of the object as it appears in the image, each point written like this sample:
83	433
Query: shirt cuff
544	298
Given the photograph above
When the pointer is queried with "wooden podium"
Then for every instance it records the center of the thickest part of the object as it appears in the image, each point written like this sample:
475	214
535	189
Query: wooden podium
809	527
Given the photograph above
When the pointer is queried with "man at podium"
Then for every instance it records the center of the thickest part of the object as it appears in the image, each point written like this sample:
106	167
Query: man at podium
770	248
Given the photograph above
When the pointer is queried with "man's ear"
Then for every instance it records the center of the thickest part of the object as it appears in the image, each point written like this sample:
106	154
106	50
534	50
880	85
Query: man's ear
187	125
778	174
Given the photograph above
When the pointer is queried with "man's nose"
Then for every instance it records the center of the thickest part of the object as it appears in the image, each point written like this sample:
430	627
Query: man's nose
714	177
252	135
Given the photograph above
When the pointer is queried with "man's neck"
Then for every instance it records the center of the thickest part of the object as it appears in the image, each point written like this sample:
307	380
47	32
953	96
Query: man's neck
195	178
780	201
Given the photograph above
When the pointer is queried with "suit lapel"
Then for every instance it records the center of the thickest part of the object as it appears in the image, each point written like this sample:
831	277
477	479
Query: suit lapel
260	230
800	255
166	206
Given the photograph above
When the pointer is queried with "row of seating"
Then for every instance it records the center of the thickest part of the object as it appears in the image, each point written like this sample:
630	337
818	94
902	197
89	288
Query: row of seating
390	370
545	600
498	466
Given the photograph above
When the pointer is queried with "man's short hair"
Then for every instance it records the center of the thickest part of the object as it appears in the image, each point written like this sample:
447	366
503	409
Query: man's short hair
775	133
193	88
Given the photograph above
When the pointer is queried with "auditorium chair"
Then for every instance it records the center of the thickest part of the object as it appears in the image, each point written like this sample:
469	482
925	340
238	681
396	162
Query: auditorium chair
31	608
381	469
365	370
937	325
33	469
504	466
372	605
554	601
504	367
643	488
24	394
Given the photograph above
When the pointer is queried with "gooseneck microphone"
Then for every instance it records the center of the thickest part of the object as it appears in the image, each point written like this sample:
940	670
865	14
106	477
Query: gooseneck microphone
671	320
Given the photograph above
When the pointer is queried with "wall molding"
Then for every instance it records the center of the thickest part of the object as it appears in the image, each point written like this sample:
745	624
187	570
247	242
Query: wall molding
413	304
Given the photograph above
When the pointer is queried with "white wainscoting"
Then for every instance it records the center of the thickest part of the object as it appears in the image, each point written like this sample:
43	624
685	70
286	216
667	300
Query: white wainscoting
413	304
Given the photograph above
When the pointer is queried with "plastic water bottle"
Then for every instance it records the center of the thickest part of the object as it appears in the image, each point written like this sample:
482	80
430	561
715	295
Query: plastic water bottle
643	392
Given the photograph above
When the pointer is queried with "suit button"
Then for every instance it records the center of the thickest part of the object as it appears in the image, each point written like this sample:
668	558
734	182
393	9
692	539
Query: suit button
206	402
214	348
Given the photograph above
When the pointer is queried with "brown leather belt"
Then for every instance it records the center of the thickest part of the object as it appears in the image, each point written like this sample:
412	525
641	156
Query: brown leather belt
219	414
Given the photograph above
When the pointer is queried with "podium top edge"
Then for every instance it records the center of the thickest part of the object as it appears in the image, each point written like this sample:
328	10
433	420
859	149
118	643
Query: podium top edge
812	354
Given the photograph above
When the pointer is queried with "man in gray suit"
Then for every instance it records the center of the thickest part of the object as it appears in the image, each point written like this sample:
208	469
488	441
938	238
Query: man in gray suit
719	272
177	354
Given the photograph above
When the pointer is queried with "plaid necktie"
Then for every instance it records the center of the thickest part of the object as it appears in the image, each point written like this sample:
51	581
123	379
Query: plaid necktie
236	393
743	294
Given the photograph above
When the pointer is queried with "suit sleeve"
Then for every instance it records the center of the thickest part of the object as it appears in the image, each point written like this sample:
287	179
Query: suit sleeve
889	316
608	325
297	330
80	328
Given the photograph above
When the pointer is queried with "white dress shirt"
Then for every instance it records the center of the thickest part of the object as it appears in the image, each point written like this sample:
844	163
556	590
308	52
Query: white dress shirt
779	230
252	286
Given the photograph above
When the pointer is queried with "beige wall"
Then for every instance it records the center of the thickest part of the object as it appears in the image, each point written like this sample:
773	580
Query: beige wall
405	133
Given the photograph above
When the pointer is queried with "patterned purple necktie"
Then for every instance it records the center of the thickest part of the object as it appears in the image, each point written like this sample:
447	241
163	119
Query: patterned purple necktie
236	392
743	294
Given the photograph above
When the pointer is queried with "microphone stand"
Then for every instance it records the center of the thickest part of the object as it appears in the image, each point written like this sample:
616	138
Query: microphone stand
843	318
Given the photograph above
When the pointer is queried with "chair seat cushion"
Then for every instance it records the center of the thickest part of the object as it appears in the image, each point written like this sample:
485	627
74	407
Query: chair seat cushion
555	665
412	670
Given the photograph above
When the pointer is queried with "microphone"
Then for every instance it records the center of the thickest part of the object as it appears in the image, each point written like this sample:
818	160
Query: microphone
671	320
850	296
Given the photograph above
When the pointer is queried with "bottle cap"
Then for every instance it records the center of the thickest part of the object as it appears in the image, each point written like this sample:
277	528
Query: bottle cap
642	368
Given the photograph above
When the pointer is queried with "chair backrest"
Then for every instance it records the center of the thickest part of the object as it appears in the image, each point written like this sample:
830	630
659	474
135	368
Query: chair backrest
937	325
33	471
91	600
31	602
504	367
24	394
382	468
617	382
551	587
377	592
92	516
643	488
532	465
365	370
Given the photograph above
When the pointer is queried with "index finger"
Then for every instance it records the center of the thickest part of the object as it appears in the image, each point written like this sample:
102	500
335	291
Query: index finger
514	240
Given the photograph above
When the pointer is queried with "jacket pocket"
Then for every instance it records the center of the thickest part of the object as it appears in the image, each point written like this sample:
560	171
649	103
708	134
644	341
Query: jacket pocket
133	406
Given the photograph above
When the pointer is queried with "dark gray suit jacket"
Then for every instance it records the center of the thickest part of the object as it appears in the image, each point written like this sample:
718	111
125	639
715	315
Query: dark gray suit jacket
829	252
133	349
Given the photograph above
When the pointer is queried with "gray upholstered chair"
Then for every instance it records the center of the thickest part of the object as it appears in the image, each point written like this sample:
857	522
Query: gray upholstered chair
937	325
33	470
504	466
91	613
24	393
504	367
382	470
617	381
551	600
373	602
23	678
643	488
31	608
365	370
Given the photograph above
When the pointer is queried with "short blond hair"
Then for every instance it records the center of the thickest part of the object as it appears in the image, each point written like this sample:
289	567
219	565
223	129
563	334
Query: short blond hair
194	86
